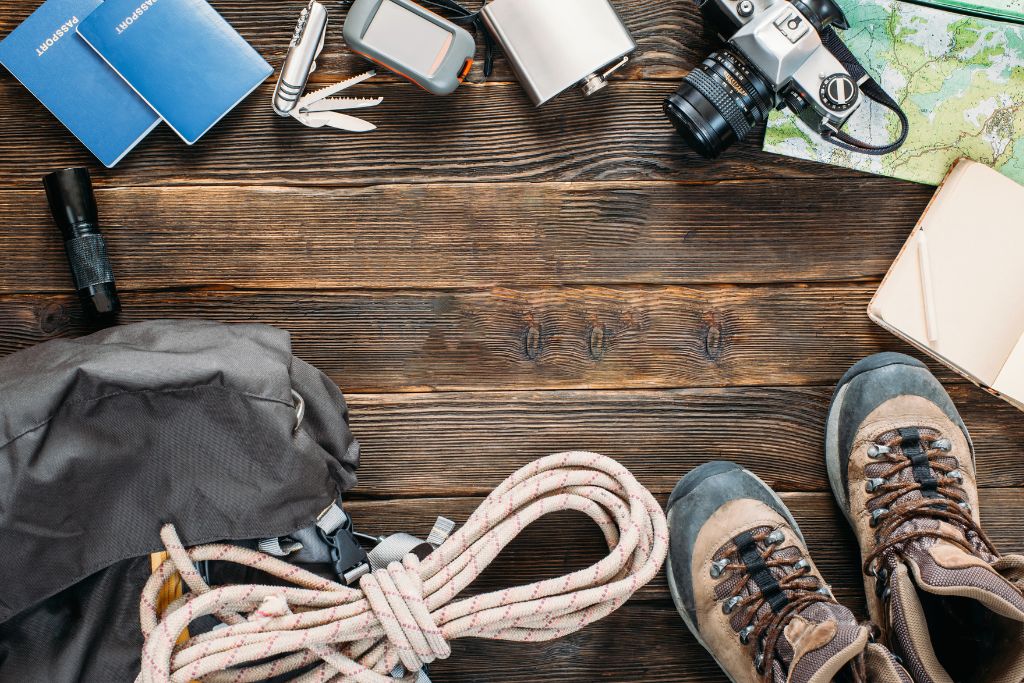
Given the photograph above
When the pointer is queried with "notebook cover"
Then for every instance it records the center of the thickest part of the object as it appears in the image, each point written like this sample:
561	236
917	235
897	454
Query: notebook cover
74	83
1009	10
181	56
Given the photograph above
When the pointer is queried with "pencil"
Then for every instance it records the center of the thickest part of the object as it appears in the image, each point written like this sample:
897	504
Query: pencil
927	290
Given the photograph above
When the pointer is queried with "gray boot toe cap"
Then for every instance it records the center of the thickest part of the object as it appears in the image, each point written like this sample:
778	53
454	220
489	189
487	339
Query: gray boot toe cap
694	500
878	379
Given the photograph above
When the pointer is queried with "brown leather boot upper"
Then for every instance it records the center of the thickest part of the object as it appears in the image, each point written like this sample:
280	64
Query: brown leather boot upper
742	578
945	600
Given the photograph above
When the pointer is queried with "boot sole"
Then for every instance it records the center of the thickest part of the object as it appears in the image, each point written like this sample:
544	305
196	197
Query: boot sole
677	600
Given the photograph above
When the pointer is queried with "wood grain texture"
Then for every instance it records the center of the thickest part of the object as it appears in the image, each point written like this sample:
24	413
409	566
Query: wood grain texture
473	235
564	337
646	640
566	541
484	133
669	36
467	443
490	282
640	643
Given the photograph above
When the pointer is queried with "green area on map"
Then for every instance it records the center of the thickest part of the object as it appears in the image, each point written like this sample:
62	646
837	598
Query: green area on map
960	79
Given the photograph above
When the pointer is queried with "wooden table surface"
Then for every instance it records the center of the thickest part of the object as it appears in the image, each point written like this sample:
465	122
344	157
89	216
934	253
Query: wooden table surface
489	282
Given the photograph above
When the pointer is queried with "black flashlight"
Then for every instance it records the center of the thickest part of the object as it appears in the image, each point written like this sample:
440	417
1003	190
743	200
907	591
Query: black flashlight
73	206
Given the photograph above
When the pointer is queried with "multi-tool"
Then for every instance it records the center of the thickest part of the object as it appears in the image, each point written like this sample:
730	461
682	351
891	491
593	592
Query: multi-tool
318	108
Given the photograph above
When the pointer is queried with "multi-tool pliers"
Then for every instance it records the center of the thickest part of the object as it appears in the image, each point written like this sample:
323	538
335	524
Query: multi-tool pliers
318	108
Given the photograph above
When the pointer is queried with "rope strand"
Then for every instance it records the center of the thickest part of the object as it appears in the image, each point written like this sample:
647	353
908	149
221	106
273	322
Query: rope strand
407	613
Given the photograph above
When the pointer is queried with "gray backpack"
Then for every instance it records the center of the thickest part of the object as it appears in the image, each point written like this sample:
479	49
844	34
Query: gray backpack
215	428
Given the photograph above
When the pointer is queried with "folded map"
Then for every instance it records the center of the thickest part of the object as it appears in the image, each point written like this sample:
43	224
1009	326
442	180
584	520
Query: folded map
960	79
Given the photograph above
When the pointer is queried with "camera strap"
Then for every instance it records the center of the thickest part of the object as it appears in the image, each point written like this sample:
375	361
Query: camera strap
872	90
466	17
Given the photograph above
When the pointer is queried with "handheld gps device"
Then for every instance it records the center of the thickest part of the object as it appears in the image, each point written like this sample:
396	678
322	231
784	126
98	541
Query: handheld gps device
428	49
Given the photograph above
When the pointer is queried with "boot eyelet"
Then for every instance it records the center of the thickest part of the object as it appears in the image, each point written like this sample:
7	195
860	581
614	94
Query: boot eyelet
965	506
956	475
759	663
745	635
942	445
826	590
775	537
877	450
886	594
718	566
872	484
729	605
877	514
801	564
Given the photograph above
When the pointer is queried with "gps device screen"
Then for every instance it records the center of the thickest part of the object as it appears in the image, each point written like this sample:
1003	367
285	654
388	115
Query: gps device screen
408	38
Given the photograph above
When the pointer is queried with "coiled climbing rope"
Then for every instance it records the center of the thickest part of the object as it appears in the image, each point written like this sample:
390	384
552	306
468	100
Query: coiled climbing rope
407	613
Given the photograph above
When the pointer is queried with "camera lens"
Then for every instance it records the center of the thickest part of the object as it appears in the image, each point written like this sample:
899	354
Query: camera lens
719	103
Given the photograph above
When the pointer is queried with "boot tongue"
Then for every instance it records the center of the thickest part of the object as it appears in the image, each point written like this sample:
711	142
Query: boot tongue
943	568
818	643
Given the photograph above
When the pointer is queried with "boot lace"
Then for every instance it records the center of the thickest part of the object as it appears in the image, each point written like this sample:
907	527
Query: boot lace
939	483
752	557
937	478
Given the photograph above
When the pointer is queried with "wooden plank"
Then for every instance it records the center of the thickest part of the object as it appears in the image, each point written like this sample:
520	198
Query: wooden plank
548	338
565	541
409	441
579	337
483	133
640	642
658	26
472	235
646	639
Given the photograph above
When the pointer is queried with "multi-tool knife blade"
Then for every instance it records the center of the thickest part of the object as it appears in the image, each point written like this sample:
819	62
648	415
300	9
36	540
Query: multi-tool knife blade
336	103
319	108
334	119
324	93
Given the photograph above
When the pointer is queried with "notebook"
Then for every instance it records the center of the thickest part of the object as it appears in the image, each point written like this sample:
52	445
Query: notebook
181	56
956	291
73	82
1008	10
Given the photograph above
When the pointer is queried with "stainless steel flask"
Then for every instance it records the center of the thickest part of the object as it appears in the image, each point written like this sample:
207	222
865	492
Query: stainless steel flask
556	44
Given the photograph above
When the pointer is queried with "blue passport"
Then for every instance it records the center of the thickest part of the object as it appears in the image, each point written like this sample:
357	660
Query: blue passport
180	56
73	82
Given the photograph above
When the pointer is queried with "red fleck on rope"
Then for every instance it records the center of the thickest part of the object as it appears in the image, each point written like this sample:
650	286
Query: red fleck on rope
405	613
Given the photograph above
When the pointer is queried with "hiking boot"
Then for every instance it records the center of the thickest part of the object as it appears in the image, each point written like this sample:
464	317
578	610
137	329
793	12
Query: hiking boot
901	465
741	578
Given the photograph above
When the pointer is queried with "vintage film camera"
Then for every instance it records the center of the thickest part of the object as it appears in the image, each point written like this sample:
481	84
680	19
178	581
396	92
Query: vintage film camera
778	53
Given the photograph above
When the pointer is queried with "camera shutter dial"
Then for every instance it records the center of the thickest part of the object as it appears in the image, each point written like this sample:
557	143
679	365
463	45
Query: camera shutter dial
838	92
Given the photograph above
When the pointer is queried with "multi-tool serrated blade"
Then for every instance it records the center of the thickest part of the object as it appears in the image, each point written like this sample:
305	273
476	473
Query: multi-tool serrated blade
341	103
306	100
333	119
